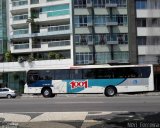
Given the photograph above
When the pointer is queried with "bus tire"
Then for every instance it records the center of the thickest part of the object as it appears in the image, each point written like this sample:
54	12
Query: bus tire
53	95
46	92
110	91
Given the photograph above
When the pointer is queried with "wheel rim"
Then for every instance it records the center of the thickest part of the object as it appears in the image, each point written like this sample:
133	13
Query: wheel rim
9	96
111	91
46	92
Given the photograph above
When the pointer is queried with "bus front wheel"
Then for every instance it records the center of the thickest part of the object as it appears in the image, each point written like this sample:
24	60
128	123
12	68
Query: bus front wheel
47	92
110	91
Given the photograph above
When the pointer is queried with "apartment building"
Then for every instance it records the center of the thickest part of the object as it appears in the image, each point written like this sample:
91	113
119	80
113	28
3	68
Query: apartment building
39	27
39	36
148	31
101	31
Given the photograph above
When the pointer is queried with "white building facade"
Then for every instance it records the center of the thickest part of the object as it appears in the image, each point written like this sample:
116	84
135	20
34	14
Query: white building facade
38	27
40	36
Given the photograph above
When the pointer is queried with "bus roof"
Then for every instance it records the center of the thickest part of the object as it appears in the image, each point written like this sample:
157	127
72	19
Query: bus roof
90	66
106	66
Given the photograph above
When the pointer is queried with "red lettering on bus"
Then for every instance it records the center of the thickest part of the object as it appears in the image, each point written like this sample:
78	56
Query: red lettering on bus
81	84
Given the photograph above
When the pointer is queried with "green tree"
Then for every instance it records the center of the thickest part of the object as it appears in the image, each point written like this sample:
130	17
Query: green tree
52	55
8	56
30	57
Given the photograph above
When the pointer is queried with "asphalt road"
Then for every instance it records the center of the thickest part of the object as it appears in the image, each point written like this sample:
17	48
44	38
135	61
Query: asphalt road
71	104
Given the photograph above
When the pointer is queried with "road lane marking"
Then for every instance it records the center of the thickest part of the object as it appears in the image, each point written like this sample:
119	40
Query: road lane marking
58	116
79	102
10	117
54	116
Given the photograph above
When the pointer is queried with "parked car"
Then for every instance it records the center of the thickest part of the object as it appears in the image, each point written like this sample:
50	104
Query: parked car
7	92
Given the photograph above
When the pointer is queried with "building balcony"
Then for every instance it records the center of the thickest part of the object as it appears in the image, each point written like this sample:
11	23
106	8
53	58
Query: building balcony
19	4
52	46
111	5
41	46
43	17
19	19
112	42
112	23
20	33
59	43
53	30
38	3
20	48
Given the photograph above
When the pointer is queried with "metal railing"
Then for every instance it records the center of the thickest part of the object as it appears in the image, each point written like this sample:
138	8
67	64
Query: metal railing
21	46
58	28
59	43
19	3
20	31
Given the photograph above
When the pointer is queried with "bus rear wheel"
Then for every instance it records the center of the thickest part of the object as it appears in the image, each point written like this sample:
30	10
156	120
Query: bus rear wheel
47	92
110	91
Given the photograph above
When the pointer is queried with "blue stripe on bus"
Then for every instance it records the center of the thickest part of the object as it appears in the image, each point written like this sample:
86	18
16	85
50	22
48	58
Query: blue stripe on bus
41	83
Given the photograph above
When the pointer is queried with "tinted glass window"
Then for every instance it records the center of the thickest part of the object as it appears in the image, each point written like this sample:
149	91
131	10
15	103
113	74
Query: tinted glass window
131	72
0	90
89	74
103	73
32	76
5	90
46	74
75	74
61	74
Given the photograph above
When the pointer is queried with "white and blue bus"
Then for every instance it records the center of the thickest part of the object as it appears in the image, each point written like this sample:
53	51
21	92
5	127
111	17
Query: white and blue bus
90	79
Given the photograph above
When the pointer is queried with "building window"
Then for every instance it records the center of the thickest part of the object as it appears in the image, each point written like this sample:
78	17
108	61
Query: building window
81	21
153	4
80	3
121	56
83	39
122	3
84	58
100	20
141	22
100	39
122	19
141	4
56	10
99	3
103	57
141	40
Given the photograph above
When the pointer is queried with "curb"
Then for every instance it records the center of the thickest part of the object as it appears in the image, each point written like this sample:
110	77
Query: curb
92	95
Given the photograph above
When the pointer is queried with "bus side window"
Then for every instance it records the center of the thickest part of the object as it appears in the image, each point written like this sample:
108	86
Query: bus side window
32	78
62	74
89	74
75	74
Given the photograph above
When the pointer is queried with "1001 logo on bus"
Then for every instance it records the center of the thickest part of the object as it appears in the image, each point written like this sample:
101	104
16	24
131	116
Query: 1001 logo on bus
81	84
